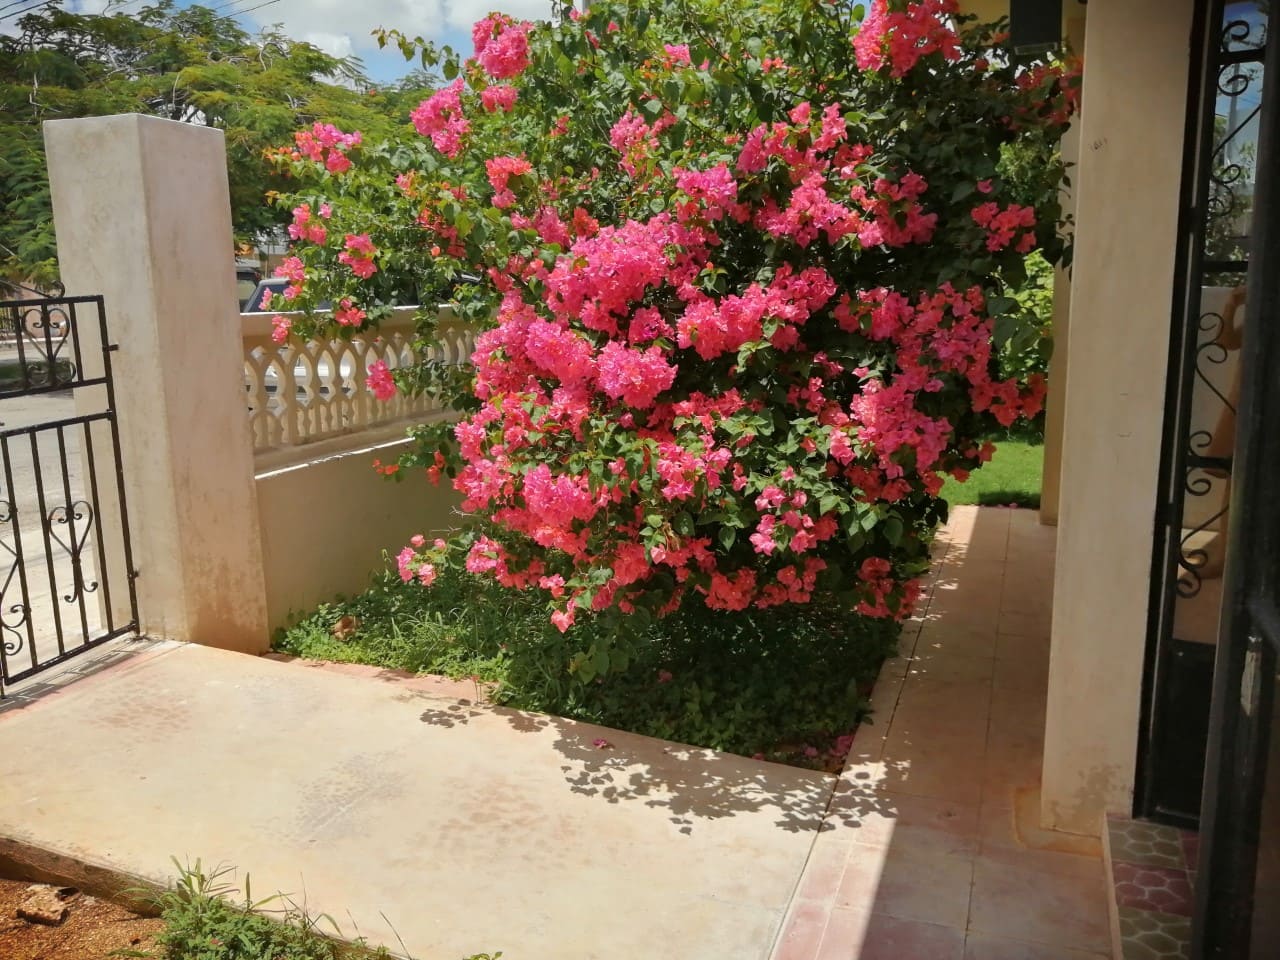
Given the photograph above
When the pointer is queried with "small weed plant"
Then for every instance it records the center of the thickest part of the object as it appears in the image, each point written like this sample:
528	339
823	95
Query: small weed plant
207	918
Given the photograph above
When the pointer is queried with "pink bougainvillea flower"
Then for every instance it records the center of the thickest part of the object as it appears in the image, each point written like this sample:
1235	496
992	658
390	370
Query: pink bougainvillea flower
900	38
280	327
501	97
501	45
380	382
500	170
348	315
440	117
358	254
304	227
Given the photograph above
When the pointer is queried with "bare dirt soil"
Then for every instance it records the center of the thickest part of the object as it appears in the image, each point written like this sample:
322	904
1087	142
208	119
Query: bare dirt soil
94	929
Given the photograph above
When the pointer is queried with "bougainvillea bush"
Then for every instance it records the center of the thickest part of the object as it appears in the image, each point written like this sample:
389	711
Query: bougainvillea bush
742	270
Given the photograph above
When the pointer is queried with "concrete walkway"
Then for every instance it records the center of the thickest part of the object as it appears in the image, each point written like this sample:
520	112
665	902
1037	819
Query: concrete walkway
477	829
471	828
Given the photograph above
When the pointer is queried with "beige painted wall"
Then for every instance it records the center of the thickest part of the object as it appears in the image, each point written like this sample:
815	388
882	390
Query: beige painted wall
1136	55
326	524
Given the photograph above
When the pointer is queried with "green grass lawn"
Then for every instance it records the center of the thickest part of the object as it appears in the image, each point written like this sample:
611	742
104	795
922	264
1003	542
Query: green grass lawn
1013	476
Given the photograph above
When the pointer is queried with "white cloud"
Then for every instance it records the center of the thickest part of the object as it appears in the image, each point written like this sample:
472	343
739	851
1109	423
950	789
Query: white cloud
327	23
334	44
342	18
463	13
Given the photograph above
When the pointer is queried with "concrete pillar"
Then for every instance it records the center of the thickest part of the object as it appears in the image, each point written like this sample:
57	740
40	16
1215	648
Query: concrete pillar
1131	144
1073	29
1056	400
143	217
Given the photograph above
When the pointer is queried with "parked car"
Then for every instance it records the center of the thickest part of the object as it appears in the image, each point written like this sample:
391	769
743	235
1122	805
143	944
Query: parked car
264	289
247	277
269	288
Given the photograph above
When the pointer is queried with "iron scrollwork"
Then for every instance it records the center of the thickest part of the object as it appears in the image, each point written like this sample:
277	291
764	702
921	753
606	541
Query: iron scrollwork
69	515
44	331
13	616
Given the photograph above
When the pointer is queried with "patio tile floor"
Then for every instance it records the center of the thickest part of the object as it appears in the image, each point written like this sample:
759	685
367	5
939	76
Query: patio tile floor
931	848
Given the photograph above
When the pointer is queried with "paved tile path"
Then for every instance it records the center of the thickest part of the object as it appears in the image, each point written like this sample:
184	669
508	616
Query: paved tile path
405	810
931	849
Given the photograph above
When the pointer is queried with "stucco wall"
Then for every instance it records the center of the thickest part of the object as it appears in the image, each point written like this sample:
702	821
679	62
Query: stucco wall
326	524
1136	64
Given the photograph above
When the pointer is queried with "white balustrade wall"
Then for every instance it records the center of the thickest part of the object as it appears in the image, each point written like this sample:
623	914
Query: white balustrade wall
317	429
302	393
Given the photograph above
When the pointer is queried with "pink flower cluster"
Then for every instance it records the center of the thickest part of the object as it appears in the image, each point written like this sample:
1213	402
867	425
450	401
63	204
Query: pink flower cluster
293	270
1059	87
347	314
413	565
501	97
358	253
635	377
877	210
306	227
636	140
280	327
1003	225
325	143
500	171
501	45
440	117
379	381
900	38
677	54
878	586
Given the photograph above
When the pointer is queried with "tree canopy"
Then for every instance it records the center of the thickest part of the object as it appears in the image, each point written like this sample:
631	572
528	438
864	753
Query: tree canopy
186	64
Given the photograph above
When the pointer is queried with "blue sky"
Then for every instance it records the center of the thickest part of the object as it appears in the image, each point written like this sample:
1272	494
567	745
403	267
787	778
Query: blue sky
342	27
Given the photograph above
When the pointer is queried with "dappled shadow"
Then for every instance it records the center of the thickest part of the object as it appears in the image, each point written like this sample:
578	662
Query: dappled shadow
689	784
454	715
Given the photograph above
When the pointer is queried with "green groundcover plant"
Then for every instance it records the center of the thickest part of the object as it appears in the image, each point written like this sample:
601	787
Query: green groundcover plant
743	273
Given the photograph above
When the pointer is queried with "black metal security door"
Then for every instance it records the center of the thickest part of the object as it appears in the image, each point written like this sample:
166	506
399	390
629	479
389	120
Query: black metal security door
66	563
1194	508
1238	886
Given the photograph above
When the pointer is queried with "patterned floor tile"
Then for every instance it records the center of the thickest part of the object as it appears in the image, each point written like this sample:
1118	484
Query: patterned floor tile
1148	935
1152	888
1145	843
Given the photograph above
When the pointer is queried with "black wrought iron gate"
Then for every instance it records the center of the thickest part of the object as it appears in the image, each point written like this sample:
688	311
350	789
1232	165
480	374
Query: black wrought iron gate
66	561
1220	168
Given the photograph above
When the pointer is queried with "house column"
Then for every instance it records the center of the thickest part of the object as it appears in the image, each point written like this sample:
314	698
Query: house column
1137	56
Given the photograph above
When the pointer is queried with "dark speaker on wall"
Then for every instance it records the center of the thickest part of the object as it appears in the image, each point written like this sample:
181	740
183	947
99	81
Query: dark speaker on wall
1035	25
